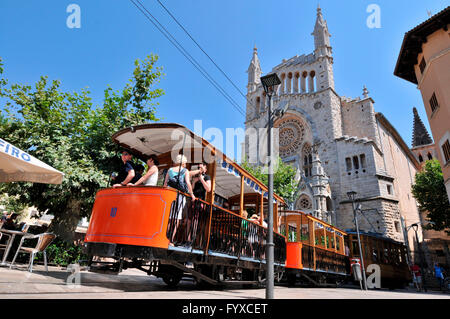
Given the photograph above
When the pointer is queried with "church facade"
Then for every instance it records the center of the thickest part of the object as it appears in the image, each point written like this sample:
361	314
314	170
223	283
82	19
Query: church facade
337	144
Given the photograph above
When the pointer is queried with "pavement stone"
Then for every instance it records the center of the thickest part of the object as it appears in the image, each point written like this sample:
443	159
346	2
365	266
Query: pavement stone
17	283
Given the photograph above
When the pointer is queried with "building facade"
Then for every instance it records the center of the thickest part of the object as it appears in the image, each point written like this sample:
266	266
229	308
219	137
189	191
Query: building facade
337	144
424	60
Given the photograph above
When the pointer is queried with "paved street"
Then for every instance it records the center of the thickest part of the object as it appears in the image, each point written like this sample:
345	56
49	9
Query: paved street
134	284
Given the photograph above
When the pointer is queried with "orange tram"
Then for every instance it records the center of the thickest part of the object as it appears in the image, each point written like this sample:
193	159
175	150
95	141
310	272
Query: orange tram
214	243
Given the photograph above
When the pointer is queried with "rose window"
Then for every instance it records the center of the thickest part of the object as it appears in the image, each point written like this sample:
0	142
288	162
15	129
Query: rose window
291	132
304	202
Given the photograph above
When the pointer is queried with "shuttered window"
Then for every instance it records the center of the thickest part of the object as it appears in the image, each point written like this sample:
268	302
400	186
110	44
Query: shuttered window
422	65
434	102
446	150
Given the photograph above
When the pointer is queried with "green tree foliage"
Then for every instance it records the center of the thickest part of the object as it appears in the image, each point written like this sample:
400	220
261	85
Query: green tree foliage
429	190
12	204
67	132
284	182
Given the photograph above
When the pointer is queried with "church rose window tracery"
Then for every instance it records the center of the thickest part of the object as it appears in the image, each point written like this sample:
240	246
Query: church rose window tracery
304	202
291	134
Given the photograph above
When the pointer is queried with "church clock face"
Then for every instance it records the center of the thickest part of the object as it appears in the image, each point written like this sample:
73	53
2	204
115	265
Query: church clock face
291	134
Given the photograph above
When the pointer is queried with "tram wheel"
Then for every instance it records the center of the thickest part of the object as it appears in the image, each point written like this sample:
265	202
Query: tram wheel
172	280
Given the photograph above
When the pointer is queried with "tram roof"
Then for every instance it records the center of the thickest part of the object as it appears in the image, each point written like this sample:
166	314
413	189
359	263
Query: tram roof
166	140
375	235
298	212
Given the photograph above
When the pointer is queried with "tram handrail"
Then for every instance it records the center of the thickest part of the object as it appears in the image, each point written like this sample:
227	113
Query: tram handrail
232	237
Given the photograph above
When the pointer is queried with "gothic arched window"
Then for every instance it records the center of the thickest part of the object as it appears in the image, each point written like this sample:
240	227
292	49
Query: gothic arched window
307	160
258	105
311	86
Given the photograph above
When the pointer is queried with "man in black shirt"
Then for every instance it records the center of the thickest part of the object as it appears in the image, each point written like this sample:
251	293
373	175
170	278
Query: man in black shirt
126	173
202	182
201	185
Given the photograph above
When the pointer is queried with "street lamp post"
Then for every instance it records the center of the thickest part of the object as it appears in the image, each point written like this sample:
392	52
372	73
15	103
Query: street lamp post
351	195
269	82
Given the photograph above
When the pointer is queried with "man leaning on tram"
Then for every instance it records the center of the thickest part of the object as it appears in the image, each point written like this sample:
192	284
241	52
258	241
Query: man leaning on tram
127	173
201	182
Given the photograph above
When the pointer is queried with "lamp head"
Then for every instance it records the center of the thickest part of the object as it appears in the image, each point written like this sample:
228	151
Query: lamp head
269	82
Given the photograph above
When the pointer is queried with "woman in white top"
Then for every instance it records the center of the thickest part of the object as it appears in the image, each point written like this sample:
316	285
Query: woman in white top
151	177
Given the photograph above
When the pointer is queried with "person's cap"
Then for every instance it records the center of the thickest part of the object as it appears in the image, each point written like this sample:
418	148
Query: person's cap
125	151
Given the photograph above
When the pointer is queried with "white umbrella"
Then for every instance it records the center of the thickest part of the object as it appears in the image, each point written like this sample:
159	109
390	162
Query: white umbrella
19	166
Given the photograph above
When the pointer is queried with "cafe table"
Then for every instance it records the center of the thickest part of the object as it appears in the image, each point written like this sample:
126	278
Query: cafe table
11	234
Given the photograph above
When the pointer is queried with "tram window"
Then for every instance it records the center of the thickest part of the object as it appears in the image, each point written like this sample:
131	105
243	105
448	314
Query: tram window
395	255
338	244
386	256
319	235
304	226
329	240
292	233
283	230
374	251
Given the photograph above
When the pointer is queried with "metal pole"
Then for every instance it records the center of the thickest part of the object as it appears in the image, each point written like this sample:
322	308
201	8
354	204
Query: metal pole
359	244
270	244
405	237
421	261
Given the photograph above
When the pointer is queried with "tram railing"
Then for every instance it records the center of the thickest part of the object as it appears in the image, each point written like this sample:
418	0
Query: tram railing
329	261
229	233
188	222
308	256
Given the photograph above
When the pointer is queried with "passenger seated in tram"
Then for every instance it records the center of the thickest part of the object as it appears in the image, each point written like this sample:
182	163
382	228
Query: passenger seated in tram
151	177
256	219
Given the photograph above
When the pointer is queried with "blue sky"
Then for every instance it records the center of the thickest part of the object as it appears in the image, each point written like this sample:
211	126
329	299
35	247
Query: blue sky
35	41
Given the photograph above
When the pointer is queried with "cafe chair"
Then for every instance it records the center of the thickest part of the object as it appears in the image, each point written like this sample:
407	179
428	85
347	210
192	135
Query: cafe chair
44	240
3	246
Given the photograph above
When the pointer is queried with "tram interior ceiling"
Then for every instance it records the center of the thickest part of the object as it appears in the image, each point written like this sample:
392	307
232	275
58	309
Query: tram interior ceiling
165	233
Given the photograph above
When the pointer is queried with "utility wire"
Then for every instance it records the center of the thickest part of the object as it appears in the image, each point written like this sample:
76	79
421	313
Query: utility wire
186	54
198	45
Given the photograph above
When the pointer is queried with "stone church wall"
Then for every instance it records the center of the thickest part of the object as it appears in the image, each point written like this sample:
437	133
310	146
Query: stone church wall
340	129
